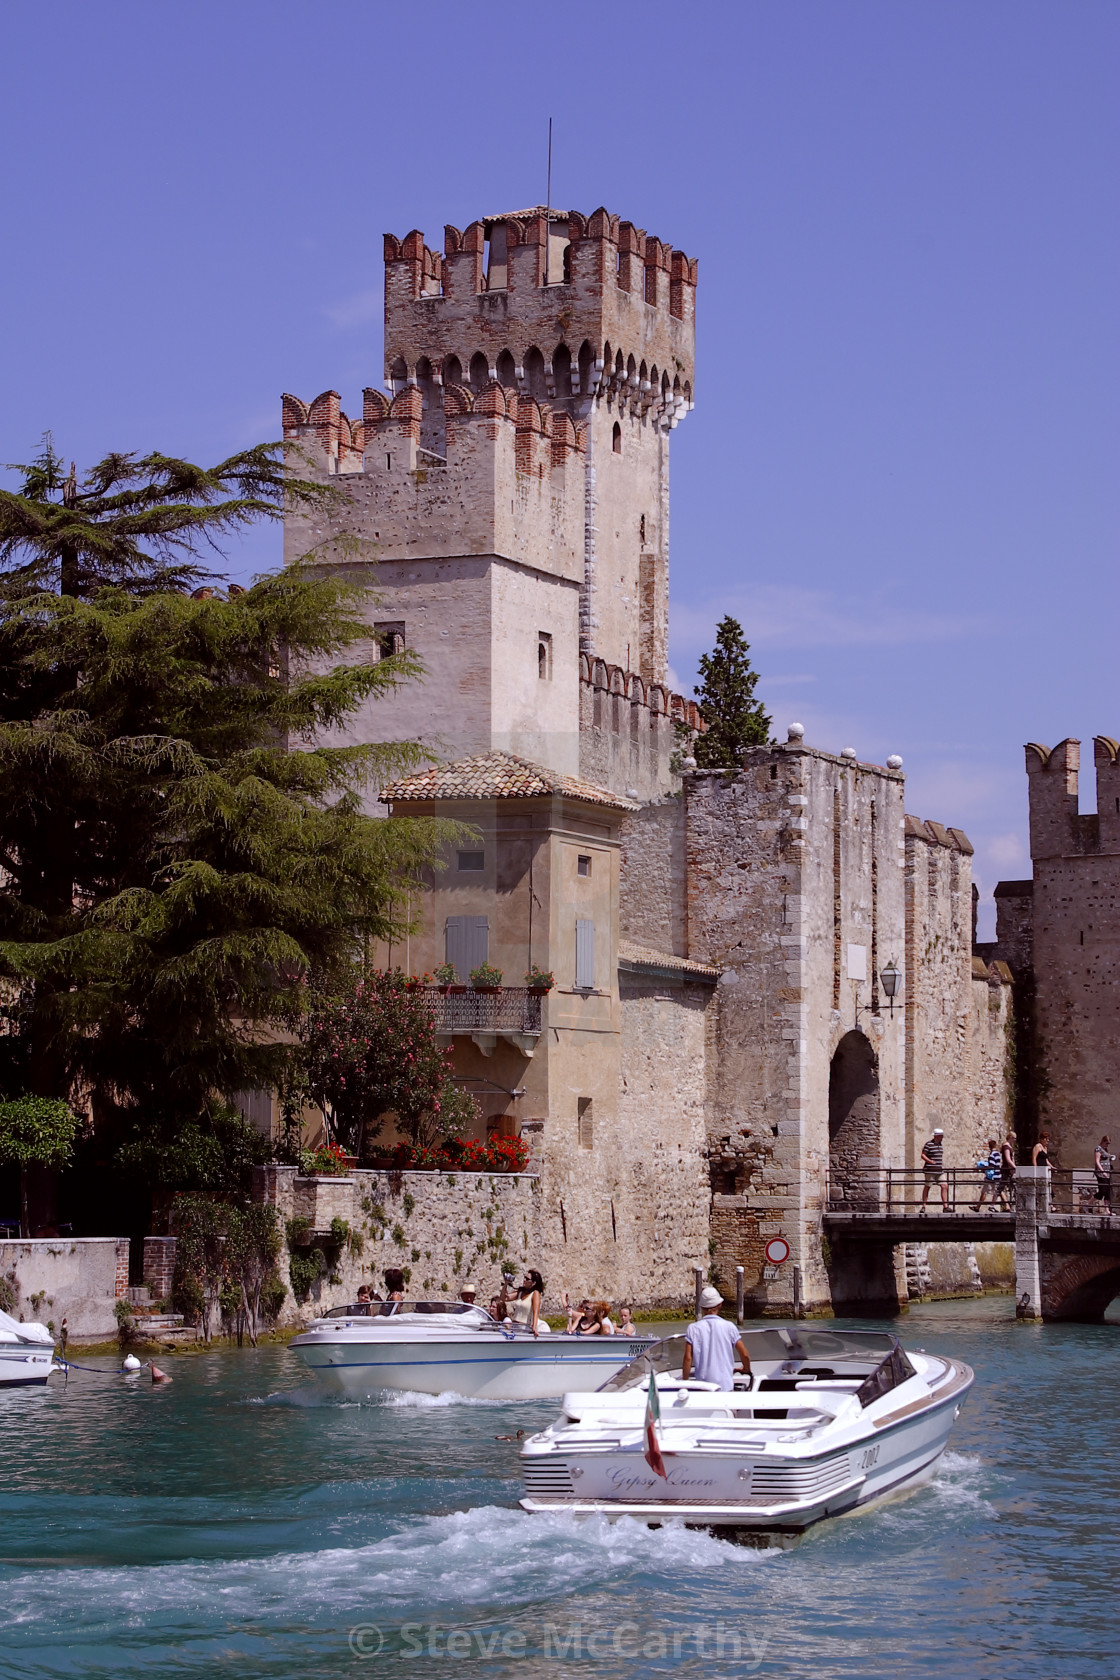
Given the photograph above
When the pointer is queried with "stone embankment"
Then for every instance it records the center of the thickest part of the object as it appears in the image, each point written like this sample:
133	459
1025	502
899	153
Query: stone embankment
443	1230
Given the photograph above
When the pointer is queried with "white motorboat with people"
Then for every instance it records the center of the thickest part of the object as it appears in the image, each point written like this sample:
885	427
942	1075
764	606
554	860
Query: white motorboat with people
823	1422
26	1353
452	1347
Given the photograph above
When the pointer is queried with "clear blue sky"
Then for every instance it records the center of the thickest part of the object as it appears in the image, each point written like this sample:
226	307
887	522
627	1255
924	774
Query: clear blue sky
901	470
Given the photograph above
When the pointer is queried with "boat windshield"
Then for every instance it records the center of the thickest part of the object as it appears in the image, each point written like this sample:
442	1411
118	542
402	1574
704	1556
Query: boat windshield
394	1309
780	1355
662	1358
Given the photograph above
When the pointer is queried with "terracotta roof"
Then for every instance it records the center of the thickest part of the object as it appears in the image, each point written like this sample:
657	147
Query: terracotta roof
640	956
498	775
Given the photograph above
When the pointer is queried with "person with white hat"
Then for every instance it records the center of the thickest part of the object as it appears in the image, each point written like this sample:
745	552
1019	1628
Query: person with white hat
711	1345
933	1163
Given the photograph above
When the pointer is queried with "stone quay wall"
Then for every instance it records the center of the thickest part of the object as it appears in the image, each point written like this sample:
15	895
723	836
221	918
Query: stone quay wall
79	1279
443	1230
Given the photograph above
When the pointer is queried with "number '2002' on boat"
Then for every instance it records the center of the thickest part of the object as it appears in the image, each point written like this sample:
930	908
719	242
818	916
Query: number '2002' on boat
826	1422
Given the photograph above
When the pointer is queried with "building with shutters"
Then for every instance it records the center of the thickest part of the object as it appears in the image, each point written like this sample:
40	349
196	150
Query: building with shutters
715	1058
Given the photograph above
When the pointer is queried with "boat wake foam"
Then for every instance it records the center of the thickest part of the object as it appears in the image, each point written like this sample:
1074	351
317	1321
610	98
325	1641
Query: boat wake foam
488	1556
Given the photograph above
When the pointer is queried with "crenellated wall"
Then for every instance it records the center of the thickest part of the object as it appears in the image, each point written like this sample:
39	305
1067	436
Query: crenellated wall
627	734
570	300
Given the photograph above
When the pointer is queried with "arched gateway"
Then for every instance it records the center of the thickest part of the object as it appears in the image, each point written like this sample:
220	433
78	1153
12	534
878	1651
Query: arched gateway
854	1150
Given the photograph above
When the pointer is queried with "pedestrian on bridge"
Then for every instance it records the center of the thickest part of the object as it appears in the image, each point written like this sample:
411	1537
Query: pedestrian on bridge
1102	1168
933	1162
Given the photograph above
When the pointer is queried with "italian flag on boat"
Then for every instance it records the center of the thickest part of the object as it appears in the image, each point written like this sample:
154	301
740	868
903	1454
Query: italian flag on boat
653	1417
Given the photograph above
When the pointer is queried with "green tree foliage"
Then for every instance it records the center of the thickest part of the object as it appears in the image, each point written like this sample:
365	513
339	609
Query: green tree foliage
226	1255
181	860
371	1050
214	1152
726	697
35	1132
138	521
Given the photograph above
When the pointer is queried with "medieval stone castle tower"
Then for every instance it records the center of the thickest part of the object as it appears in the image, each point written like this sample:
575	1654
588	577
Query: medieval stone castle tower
717	1044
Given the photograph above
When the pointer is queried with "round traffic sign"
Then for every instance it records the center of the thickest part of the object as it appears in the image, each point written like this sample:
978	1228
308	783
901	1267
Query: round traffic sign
777	1250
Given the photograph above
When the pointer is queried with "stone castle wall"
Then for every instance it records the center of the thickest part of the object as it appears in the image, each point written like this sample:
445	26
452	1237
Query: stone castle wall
958	1008
653	907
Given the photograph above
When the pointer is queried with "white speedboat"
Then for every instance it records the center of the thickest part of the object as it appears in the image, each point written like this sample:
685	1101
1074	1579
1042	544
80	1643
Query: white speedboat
435	1347
26	1353
827	1421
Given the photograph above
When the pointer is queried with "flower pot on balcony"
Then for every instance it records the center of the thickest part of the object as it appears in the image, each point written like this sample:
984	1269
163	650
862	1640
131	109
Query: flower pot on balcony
488	991
538	991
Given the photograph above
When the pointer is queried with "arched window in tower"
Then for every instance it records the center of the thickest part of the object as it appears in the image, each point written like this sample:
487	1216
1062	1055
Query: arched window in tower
534	374
507	373
398	375
616	439
562	370
480	372
586	362
452	371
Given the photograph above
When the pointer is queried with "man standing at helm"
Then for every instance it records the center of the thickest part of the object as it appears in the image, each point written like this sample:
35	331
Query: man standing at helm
711	1345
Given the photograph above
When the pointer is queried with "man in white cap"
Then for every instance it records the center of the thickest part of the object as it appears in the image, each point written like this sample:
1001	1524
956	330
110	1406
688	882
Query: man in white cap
712	1343
933	1162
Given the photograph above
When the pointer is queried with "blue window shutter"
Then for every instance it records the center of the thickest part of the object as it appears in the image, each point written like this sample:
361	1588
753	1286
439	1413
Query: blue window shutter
478	942
467	943
585	954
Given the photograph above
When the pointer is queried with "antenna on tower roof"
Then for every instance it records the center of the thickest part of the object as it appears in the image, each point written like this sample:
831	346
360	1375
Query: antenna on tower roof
548	209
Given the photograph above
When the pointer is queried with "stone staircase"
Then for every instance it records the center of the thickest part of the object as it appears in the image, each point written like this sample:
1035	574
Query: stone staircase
159	1326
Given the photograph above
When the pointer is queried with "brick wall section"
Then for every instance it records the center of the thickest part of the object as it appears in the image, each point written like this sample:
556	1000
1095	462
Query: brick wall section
159	1265
120	1287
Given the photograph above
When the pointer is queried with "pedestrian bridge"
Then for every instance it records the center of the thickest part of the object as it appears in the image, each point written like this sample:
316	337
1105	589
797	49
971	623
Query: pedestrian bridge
1067	1250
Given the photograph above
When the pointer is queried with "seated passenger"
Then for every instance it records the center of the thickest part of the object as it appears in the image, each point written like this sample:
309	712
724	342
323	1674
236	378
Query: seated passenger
394	1284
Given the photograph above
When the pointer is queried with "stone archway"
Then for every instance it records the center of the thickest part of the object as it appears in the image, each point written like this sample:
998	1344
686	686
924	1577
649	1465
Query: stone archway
1079	1289
854	1151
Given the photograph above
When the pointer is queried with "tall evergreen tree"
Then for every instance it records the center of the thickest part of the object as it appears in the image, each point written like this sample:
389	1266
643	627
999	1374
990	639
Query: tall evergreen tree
726	697
177	865
143	522
179	861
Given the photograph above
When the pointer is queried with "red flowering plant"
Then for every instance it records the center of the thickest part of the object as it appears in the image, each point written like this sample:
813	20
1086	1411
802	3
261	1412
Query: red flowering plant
372	1052
328	1161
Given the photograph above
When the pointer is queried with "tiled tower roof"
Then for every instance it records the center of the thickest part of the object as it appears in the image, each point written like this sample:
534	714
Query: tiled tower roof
498	775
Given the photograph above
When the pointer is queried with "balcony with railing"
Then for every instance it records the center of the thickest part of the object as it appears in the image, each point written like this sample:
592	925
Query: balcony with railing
509	1012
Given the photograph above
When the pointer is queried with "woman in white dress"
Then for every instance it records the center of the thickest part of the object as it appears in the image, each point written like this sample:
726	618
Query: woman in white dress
525	1309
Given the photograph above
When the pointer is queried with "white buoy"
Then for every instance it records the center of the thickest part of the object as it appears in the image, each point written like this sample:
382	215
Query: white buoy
130	1364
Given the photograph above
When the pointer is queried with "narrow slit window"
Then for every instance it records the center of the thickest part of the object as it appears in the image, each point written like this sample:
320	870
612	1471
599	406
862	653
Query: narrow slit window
471	863
544	656
616	439
585	1123
583	865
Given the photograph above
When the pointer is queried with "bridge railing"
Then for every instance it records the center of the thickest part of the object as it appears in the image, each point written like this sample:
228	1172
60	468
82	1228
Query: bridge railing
900	1190
903	1190
1078	1190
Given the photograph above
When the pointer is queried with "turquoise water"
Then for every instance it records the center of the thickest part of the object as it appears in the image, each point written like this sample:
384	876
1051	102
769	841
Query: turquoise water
232	1524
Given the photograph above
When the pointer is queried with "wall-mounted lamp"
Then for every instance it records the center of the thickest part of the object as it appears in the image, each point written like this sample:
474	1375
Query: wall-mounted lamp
890	978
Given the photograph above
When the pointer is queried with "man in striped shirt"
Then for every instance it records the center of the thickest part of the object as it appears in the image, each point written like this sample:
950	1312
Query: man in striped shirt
933	1162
